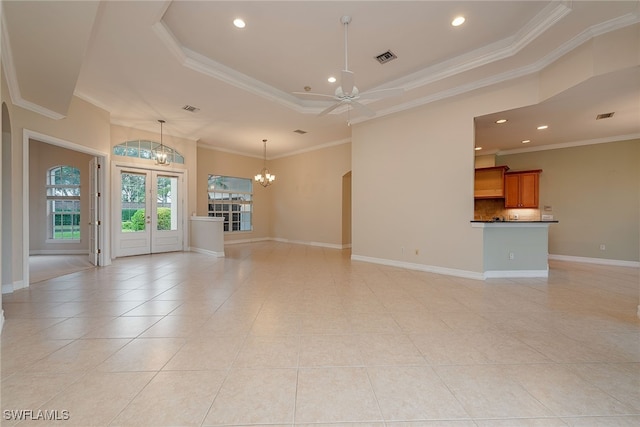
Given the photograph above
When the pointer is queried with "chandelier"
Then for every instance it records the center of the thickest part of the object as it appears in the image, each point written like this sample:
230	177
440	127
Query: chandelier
160	153
265	178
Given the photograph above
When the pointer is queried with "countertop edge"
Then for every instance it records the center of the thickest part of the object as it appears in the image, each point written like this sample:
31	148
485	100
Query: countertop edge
513	224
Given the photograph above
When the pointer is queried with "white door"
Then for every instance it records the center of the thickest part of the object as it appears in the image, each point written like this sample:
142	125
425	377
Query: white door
94	211
150	212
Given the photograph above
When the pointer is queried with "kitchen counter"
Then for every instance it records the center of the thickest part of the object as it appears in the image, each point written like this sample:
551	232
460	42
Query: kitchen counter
515	248
511	222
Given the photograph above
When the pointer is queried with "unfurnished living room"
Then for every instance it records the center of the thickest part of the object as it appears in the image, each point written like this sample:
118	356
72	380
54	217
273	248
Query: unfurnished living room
363	214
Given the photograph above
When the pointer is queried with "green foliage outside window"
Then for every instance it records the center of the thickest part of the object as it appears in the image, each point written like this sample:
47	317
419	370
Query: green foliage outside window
137	221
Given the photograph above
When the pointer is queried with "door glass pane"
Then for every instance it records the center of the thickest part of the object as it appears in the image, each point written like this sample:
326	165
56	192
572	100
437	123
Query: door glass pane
133	202
167	203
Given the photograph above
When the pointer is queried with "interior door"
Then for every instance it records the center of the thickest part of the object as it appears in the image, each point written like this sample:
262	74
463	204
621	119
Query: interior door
94	210
150	212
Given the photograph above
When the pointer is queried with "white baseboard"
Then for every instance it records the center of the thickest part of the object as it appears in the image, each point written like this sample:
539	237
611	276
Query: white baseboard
515	274
302	242
59	252
239	241
420	267
207	252
293	242
1	321
601	261
8	288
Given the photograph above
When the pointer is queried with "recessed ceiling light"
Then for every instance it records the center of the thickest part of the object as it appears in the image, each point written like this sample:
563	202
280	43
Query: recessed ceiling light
478	148
542	127
501	121
239	23
457	21
526	141
331	79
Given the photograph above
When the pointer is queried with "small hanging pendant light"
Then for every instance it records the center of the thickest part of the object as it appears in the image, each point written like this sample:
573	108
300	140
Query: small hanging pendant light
265	178
160	153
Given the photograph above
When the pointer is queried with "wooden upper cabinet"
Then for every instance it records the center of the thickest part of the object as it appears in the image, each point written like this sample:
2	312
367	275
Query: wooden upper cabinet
489	182
521	189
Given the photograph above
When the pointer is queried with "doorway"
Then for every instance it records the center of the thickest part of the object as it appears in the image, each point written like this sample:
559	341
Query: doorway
149	214
100	222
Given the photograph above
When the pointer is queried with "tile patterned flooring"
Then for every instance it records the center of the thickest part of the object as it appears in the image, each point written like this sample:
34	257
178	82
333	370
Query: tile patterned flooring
282	335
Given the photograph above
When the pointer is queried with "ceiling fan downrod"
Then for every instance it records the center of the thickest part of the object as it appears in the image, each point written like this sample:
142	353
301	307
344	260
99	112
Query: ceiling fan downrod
346	20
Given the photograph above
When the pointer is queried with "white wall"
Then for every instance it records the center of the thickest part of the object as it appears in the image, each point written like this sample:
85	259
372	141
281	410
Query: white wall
413	183
307	196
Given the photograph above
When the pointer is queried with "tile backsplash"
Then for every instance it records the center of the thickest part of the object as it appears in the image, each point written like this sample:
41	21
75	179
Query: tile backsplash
487	209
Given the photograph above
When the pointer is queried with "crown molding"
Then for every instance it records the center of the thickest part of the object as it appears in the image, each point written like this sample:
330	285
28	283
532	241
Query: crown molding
289	154
571	144
207	66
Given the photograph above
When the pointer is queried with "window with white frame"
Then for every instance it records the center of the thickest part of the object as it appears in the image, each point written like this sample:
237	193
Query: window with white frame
143	149
63	203
232	199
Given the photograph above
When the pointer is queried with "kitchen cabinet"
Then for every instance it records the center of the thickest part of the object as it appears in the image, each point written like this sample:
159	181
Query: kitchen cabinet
489	182
521	189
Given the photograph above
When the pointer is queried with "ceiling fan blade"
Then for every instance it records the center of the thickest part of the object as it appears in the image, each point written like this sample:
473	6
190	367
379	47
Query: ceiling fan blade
330	109
314	94
347	81
364	109
382	93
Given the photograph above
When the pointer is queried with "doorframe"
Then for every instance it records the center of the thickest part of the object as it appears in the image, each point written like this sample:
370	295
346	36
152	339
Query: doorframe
115	165
104	189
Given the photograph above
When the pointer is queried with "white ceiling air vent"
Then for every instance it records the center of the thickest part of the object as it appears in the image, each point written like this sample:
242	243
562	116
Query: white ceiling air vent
385	57
191	108
605	116
300	131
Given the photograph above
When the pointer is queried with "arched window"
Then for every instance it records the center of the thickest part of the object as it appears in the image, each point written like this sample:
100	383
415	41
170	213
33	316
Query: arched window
63	203
142	150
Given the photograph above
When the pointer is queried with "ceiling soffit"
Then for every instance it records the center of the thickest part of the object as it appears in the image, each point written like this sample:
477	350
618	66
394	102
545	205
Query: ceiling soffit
497	51
61	44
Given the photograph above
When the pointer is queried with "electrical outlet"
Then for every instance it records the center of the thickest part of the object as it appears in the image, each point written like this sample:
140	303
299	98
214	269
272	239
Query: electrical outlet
603	247
512	256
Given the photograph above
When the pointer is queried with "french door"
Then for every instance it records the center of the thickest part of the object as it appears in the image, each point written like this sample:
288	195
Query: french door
150	212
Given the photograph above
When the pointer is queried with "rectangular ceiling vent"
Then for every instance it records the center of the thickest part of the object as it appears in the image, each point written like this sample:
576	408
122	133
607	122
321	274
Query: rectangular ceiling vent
191	108
300	131
383	58
604	116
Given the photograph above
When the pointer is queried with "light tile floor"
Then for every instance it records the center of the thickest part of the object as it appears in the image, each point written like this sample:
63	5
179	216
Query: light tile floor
282	335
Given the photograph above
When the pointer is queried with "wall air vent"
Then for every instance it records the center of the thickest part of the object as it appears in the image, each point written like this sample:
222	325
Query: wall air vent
383	58
191	108
604	116
300	131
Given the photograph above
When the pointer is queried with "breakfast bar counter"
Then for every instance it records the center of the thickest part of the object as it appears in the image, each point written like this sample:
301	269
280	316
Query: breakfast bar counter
515	248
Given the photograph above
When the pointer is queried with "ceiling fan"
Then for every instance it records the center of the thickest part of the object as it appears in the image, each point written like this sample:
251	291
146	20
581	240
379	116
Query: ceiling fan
347	93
